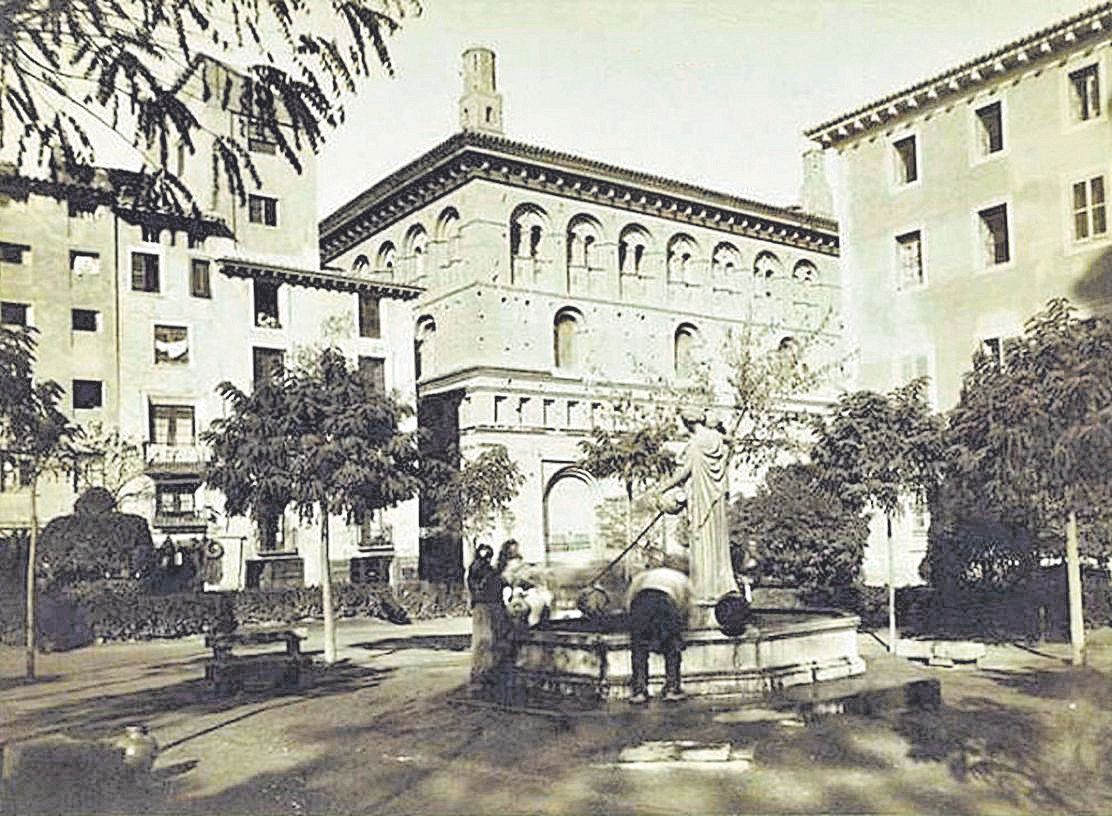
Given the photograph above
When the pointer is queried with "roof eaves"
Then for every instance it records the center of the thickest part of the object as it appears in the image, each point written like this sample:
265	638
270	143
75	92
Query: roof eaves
949	81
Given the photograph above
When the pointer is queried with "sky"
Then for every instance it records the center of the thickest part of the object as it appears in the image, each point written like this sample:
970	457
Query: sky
713	92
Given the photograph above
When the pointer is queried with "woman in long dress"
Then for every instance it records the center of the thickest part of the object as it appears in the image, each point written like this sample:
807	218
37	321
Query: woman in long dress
489	623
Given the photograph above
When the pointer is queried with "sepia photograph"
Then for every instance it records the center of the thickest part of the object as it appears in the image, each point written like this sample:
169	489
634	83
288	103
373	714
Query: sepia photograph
555	407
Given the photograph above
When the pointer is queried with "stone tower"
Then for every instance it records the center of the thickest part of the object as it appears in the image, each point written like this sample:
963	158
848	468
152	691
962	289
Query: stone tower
480	106
814	195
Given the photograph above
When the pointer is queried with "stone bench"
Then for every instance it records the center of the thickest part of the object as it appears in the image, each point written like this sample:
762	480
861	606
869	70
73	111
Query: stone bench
229	672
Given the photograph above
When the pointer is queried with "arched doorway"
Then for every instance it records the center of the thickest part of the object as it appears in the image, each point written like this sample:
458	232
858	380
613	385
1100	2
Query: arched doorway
569	518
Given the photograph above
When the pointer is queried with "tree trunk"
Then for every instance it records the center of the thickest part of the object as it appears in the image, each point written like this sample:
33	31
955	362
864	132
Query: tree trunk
32	545
892	635
326	593
629	514
1073	581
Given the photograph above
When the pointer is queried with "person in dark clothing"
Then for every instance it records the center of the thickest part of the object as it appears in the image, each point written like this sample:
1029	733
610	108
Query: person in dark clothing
659	603
490	625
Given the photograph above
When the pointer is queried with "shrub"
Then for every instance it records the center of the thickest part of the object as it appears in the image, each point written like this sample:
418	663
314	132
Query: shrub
94	542
124	609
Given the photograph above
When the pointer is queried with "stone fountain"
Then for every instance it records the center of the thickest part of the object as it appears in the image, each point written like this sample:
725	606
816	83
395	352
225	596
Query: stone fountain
588	659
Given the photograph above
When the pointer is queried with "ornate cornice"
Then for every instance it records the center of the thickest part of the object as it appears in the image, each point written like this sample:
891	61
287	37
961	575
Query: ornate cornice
467	156
244	268
1073	34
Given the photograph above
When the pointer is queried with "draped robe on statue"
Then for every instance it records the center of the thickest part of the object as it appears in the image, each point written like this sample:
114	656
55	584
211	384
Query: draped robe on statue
712	571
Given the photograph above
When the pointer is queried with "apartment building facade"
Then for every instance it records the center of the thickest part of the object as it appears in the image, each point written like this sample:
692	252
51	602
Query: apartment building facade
965	203
141	315
552	283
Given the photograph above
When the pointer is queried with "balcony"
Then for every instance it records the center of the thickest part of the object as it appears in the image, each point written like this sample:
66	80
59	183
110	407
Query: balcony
173	460
179	522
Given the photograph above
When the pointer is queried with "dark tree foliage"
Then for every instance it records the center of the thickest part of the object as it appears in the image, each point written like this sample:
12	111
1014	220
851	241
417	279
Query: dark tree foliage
875	450
804	535
138	66
317	438
34	434
468	499
1028	441
96	542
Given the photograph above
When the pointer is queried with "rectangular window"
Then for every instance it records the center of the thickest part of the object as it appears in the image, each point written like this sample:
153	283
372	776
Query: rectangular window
369	323
1085	93
266	305
84	319
994	235
373	372
176	499
909	250
262	210
171	345
1090	216
990	129
500	411
199	285
144	272
149	234
12	253
14	477
259	139
88	394
266	364
172	425
84	263
14	314
907	160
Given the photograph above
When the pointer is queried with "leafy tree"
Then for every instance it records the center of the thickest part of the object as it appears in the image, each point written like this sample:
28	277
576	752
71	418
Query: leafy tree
318	438
631	447
69	69
808	537
107	459
877	450
36	439
1030	440
471	498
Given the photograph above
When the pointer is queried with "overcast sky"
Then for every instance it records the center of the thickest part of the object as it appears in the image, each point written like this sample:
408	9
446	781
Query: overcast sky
715	92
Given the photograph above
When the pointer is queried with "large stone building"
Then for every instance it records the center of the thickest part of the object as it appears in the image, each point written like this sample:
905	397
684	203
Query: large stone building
552	282
965	203
139	321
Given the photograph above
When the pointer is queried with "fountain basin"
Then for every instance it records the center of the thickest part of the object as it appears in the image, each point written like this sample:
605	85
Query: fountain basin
589	660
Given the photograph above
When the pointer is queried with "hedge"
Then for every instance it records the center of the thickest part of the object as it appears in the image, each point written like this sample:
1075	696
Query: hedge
122	610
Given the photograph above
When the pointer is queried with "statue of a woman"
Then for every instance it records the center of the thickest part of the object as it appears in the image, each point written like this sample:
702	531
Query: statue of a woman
703	474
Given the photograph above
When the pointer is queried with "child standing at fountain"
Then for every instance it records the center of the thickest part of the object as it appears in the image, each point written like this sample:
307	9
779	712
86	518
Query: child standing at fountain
659	603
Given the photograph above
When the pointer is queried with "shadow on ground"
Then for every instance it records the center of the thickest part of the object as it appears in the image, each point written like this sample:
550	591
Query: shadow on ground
448	643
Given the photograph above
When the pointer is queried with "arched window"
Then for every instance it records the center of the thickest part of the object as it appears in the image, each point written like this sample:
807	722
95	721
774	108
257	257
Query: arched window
632	243
681	259
805	272
528	226
361	263
387	254
725	263
583	236
684	349
567	340
416	245
448	227
766	269
423	346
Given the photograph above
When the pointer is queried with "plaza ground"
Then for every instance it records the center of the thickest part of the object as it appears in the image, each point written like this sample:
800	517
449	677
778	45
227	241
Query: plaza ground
384	732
